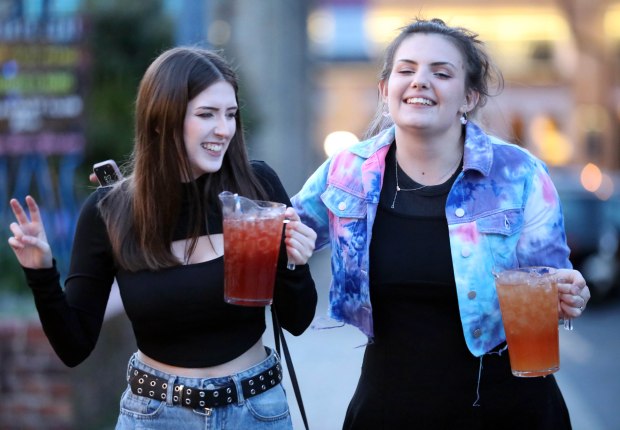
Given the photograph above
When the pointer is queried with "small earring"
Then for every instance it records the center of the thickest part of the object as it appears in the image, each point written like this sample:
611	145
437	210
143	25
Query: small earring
463	118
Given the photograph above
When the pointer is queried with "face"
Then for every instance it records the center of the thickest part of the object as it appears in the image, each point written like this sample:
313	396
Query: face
209	126
426	89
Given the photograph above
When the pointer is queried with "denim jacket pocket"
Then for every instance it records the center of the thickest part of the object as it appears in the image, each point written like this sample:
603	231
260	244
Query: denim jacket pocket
507	222
343	203
501	231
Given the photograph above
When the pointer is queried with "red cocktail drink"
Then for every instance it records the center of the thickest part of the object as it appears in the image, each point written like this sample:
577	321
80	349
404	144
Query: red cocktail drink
528	299
252	237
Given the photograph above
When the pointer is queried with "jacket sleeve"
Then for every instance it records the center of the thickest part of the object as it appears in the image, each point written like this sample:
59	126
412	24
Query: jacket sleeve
295	296
543	240
310	207
72	317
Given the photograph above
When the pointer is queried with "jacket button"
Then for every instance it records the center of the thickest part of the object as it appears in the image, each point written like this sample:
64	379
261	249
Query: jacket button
466	252
471	295
342	206
477	333
459	212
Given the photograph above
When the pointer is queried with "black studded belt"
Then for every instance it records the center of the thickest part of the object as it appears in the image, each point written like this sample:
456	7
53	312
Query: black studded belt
148	385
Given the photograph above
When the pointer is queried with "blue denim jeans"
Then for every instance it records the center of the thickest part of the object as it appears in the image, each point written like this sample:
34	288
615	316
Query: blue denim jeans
268	410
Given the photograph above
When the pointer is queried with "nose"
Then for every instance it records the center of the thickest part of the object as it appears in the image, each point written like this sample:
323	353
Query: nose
221	127
420	81
420	84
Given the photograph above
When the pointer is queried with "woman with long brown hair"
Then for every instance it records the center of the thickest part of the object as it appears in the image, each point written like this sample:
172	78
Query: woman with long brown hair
159	233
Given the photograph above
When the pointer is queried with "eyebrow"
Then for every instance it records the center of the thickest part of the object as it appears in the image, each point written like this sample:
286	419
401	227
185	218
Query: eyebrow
434	64
216	108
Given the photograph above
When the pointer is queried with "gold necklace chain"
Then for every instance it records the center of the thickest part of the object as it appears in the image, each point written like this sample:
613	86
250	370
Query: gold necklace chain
398	188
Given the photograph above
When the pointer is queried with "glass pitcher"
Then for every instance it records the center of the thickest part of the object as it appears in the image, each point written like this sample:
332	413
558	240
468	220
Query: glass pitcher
252	237
528	299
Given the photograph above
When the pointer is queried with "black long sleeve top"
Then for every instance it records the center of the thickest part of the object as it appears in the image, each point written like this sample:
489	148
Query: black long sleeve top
178	314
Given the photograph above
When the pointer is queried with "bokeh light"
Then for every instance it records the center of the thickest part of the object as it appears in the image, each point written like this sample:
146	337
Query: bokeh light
337	141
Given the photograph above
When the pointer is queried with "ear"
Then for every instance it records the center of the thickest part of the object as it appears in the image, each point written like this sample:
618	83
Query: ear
471	101
383	89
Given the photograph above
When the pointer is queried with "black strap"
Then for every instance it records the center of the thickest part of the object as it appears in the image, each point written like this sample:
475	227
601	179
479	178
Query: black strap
279	335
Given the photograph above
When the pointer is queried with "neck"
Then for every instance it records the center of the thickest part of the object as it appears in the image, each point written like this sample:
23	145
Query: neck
426	159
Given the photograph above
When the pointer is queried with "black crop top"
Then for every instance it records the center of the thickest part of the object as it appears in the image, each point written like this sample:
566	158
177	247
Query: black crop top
178	314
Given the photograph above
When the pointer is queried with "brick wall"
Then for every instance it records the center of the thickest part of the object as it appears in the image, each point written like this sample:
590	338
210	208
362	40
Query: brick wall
35	387
38	392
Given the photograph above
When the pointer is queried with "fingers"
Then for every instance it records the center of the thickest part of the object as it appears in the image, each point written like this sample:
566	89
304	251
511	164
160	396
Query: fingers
572	305
299	239
15	243
17	231
33	208
20	213
570	311
573	292
570	281
290	214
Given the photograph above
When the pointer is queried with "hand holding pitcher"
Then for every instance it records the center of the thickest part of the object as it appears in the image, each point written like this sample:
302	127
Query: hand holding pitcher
299	239
573	292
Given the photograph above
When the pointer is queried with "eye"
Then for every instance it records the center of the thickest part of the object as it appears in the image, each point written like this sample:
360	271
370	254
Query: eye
205	115
231	115
406	71
443	75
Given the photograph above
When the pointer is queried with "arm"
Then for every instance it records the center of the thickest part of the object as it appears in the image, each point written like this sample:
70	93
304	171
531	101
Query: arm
295	296
544	243
308	204
71	318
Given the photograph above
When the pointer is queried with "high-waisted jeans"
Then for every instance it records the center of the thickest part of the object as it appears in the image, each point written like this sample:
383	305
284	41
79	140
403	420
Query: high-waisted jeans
268	410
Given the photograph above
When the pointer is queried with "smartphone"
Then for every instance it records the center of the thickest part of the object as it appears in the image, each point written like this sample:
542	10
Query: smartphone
107	172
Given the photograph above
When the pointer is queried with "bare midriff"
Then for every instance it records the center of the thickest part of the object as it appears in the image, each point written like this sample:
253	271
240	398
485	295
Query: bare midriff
251	357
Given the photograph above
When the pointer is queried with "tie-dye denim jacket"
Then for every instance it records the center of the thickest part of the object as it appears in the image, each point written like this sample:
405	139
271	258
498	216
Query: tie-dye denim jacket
503	211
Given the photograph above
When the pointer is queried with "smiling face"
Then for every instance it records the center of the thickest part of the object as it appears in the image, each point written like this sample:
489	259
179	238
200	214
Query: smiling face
209	126
426	88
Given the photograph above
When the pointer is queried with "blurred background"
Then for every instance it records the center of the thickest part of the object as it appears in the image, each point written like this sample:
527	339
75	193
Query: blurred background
69	74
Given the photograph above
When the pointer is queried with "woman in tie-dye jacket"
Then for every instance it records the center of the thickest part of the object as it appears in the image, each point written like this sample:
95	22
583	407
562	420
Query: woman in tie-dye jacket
418	217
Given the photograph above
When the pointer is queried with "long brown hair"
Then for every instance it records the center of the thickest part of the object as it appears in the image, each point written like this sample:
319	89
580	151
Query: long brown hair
480	70
141	212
